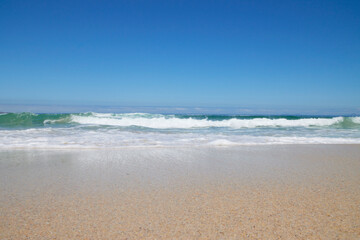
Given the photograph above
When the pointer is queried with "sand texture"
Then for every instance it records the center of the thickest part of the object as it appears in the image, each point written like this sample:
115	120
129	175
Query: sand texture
277	192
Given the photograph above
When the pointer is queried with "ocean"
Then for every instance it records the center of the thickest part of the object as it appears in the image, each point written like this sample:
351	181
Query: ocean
118	130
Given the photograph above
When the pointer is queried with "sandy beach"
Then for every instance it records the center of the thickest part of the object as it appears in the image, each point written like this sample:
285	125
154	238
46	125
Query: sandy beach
179	120
248	192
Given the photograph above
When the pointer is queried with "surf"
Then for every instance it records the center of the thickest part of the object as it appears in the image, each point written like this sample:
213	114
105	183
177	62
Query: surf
160	121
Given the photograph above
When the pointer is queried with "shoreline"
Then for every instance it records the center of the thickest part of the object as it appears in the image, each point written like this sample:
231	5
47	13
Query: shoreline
260	145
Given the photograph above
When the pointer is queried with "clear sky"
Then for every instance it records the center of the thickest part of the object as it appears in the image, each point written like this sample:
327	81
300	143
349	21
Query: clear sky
181	53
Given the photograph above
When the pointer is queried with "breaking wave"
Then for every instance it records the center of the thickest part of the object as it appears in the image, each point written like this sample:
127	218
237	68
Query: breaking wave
159	121
107	130
166	122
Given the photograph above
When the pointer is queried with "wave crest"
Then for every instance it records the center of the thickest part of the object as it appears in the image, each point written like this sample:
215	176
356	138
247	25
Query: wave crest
166	122
159	121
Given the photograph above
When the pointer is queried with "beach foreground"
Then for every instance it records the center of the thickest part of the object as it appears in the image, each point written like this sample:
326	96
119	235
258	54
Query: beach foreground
254	192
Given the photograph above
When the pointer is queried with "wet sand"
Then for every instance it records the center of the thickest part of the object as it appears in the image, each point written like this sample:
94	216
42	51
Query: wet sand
255	192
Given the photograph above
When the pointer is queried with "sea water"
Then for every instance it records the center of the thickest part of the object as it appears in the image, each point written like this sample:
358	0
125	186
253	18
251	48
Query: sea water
117	130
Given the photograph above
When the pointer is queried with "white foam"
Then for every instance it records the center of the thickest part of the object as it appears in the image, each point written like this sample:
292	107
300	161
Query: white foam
48	121
170	130
162	122
222	142
114	138
355	120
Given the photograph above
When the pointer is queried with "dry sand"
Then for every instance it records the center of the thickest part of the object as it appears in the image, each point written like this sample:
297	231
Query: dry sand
259	192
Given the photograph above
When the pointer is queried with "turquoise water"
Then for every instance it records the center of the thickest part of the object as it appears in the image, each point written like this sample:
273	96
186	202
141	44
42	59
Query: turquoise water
89	130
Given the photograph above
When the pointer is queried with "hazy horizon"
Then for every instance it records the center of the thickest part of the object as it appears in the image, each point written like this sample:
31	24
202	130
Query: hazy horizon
216	110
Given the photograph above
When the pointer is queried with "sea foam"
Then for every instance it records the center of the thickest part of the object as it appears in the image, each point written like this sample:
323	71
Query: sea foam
119	130
162	122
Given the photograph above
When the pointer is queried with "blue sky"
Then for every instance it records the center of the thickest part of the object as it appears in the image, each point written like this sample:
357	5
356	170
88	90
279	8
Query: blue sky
256	54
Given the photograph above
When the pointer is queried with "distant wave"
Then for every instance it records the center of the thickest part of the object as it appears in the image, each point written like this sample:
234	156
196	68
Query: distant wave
356	120
159	121
166	122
